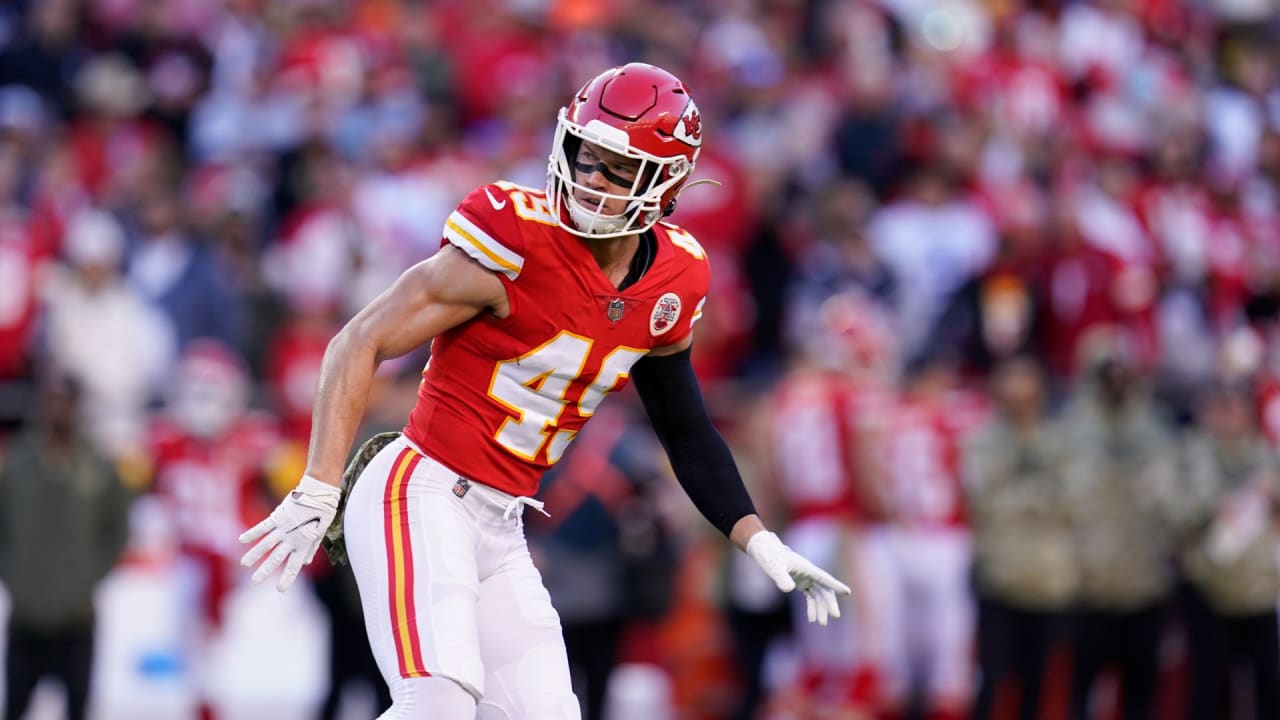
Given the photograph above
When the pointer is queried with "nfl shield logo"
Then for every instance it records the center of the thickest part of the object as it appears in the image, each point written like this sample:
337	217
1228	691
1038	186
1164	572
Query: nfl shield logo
461	487
616	307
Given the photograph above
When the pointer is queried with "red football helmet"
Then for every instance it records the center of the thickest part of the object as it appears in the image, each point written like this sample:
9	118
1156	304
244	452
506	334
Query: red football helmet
639	111
210	388
854	335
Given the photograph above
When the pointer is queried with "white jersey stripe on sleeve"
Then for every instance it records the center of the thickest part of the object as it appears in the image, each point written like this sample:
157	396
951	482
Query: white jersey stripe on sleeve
697	312
481	246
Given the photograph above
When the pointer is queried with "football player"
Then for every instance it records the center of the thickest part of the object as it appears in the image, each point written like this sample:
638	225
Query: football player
843	374
211	454
919	613
537	306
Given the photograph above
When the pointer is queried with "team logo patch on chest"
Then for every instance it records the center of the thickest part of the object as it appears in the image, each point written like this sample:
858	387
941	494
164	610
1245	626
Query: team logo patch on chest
616	307
665	313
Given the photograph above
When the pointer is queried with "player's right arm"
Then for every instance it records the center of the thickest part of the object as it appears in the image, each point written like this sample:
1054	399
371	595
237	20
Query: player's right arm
428	299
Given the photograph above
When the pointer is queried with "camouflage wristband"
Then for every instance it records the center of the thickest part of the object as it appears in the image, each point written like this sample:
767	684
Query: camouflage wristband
335	545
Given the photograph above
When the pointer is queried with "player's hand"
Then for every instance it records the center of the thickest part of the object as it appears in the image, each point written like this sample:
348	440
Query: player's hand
792	572
292	532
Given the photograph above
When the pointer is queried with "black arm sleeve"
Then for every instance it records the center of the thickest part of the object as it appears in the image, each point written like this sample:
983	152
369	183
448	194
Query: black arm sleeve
701	460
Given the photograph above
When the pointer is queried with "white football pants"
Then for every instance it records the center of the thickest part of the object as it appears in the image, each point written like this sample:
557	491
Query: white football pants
449	591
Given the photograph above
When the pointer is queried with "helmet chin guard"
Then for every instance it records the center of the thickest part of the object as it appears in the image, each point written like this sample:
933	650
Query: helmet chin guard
637	111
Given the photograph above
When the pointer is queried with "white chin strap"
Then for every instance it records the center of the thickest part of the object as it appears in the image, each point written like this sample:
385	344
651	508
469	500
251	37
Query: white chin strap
593	222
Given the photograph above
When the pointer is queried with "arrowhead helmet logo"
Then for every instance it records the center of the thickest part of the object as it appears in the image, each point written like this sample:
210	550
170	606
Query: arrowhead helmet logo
693	125
689	129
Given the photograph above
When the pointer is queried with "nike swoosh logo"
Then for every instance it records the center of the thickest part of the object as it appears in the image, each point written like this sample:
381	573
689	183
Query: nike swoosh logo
494	201
304	524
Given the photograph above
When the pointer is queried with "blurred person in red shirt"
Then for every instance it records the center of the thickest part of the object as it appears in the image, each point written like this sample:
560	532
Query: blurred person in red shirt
211	455
111	144
20	260
914	557
1079	294
210	464
820	467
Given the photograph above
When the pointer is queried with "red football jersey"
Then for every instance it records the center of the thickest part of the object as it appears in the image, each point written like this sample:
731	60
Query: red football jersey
812	431
208	484
501	399
922	446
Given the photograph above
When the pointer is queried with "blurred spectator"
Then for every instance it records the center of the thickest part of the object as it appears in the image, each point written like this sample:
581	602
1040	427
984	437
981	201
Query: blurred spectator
172	271
63	525
1016	479
232	232
1106	219
112	146
106	335
47	56
1125	497
867	45
315	255
1102	38
20	260
1230	558
293	366
992	317
1240	107
1079	296
840	259
934	239
175	65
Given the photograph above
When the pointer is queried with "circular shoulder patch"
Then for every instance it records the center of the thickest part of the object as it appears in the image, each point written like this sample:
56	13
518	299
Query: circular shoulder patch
665	313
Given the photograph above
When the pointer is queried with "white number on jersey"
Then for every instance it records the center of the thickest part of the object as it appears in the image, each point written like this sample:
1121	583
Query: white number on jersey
922	488
533	208
685	241
810	453
534	385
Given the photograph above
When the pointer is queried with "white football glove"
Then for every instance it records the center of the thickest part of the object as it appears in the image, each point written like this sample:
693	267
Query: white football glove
293	529
792	572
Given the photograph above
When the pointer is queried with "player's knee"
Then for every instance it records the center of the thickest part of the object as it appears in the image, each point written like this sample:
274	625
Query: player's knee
435	696
489	711
552	706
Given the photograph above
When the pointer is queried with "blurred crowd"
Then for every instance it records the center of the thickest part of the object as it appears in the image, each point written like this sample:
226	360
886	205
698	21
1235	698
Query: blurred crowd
994	326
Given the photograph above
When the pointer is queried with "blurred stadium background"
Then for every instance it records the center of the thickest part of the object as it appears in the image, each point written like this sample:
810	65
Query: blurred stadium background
917	194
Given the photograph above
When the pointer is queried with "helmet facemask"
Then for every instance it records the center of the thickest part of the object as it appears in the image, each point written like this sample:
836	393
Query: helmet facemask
656	178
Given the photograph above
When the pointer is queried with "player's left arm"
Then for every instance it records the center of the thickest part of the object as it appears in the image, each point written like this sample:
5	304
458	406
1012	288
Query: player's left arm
672	398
